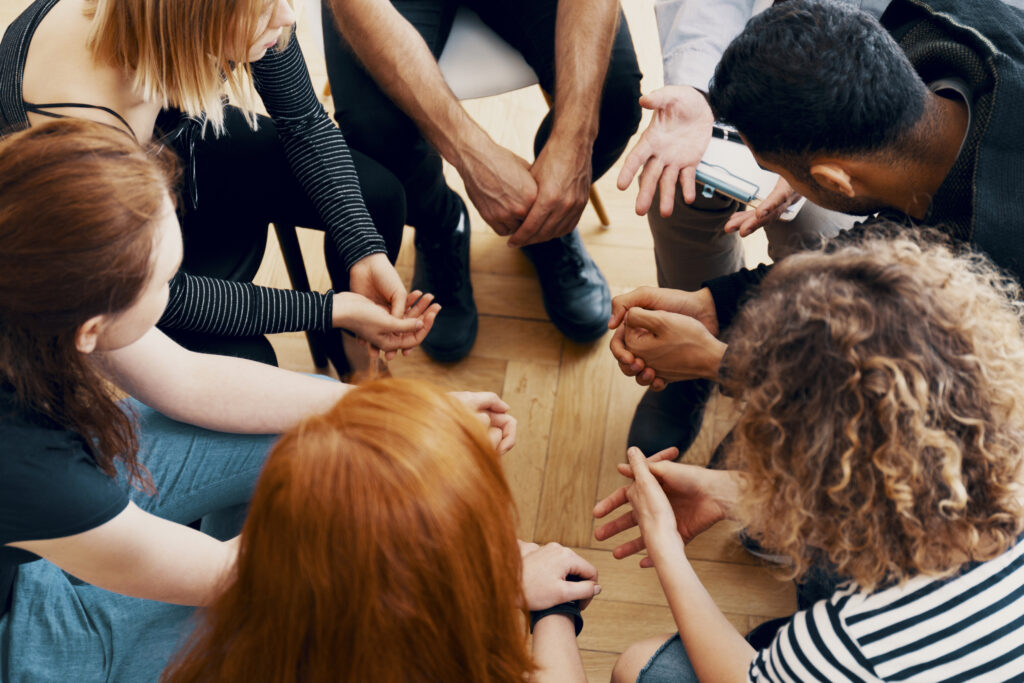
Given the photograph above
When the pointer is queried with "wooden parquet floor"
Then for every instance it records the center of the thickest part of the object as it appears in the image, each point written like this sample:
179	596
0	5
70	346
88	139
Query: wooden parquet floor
573	406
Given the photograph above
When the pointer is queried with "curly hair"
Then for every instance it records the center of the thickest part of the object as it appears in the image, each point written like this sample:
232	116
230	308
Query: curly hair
884	404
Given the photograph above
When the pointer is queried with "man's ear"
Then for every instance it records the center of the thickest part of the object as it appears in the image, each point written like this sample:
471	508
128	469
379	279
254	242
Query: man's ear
88	334
833	177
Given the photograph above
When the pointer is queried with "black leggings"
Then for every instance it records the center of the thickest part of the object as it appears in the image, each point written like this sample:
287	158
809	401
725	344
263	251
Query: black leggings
374	125
244	182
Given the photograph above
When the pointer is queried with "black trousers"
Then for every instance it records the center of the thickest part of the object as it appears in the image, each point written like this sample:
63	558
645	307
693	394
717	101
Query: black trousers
243	183
374	125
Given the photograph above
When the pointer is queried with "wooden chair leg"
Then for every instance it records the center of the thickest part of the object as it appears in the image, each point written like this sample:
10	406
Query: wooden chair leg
602	215
296	267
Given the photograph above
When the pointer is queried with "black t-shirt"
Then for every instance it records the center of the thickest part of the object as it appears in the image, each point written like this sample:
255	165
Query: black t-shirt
50	486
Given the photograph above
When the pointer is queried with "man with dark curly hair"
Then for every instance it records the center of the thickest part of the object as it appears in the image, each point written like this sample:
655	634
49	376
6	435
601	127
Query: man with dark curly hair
915	117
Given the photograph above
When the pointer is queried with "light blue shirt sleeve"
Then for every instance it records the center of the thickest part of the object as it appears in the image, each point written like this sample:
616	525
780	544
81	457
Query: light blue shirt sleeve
695	33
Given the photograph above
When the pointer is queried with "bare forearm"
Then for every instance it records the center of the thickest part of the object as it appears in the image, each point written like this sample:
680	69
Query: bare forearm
716	651
402	65
584	33
217	392
555	652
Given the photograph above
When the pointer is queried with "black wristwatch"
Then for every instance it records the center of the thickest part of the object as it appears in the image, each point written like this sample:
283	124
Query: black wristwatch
569	609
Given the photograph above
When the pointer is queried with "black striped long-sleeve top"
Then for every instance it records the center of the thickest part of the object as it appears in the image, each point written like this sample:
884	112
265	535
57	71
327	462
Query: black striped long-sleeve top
319	157
321	161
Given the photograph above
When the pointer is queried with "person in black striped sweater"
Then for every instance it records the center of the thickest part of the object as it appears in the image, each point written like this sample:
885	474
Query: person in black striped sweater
157	70
881	434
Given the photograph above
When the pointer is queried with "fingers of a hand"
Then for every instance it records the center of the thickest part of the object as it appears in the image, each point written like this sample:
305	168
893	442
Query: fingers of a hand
641	473
658	384
648	320
647	377
616	526
580	590
633	162
580	567
624	469
648	184
670	453
618	347
628	548
398	297
667	190
529	227
646	563
688	181
738	220
612	501
509	431
421	302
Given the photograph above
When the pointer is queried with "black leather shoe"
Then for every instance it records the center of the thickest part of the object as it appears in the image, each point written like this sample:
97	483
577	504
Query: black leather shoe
442	269
671	417
576	294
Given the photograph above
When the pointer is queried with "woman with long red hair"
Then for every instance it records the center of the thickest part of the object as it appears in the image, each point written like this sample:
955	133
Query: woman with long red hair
380	546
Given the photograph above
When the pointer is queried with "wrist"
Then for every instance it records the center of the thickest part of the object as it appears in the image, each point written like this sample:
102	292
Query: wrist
709	314
339	312
713	364
552	624
469	148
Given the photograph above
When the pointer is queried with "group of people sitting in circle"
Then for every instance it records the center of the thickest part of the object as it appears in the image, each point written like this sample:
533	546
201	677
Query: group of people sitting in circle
153	458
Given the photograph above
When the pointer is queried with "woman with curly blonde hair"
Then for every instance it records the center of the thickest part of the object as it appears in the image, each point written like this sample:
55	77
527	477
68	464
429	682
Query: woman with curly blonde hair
882	425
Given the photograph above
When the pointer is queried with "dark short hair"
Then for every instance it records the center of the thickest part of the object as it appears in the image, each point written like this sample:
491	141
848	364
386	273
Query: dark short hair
817	76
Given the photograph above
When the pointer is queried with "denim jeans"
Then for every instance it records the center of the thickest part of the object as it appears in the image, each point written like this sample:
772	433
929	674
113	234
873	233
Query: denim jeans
61	629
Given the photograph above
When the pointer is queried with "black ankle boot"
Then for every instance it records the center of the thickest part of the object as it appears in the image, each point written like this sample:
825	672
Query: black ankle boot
442	269
576	294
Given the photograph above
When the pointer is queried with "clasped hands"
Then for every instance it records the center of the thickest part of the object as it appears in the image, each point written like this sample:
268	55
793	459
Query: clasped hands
666	335
378	309
529	203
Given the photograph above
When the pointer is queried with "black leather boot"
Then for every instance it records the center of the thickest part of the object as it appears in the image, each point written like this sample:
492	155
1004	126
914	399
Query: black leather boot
576	295
442	269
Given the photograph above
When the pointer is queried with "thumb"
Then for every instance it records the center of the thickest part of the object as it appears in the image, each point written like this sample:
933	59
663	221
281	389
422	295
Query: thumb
581	590
653	100
650	320
400	325
398	298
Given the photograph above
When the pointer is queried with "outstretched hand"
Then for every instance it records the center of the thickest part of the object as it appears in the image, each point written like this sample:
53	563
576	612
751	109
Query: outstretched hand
671	147
685	498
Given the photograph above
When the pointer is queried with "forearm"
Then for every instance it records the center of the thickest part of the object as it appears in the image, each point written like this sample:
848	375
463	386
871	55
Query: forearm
584	33
555	651
217	392
242	309
402	65
716	651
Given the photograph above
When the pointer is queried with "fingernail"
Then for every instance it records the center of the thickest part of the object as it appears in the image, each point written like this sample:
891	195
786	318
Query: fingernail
597	589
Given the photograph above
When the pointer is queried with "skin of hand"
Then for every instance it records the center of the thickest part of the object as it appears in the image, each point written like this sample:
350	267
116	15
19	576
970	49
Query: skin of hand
671	147
698	305
500	185
493	413
774	205
562	173
376	325
375	278
544	572
697	496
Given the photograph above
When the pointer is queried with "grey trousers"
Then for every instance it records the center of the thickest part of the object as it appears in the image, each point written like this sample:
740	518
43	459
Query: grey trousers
691	247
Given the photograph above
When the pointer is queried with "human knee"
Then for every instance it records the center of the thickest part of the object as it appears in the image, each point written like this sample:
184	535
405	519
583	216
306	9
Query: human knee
629	664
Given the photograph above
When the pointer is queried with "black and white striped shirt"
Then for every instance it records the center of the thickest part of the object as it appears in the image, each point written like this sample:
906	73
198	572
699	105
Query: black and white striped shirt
966	628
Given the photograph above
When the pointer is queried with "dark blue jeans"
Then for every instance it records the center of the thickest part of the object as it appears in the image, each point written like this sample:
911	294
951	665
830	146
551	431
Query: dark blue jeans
373	125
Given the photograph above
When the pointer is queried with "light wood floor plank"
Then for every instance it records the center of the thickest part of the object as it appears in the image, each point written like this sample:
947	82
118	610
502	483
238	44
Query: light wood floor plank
530	393
576	442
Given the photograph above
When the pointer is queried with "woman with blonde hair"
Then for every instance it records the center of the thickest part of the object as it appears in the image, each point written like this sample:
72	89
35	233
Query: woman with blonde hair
158	70
881	437
380	546
98	572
